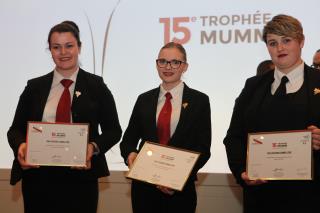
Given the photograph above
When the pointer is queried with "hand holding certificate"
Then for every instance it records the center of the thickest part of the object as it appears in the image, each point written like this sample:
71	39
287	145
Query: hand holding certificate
280	155
163	165
54	144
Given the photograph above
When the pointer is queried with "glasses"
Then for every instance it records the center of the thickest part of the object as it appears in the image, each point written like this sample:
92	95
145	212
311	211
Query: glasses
175	64
317	66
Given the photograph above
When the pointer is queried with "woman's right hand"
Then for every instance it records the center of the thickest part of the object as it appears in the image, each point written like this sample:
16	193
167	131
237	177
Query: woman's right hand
22	157
131	157
256	182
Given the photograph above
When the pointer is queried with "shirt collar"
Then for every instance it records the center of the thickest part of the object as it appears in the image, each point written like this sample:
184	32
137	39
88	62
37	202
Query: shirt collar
57	77
175	92
295	75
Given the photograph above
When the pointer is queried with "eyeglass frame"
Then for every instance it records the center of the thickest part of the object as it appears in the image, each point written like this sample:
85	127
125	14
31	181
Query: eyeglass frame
170	62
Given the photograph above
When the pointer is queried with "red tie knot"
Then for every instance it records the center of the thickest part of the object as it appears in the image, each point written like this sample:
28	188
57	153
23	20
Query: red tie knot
66	82
168	95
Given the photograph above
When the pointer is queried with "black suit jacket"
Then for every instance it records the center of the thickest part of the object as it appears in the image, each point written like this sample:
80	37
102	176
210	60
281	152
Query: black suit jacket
193	131
95	106
245	116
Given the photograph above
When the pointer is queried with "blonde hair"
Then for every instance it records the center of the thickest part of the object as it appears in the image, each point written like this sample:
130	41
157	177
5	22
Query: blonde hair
178	47
284	25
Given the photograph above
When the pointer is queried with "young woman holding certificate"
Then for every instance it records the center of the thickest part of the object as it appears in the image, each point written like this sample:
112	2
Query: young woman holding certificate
285	98
175	115
67	94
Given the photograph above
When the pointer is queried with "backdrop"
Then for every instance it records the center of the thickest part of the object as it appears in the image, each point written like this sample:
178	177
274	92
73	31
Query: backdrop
121	40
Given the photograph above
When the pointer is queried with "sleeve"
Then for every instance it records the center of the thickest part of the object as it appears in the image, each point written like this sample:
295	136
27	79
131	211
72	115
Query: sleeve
17	132
108	120
203	129
132	134
235	140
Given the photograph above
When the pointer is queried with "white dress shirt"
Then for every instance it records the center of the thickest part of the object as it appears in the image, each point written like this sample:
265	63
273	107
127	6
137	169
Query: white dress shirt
296	77
49	114
176	103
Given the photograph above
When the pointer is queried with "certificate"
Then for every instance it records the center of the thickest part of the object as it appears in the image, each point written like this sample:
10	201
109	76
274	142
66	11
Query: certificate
280	155
163	165
56	144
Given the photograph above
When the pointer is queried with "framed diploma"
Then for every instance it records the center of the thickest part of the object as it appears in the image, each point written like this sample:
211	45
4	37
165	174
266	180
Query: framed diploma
56	144
163	165
280	155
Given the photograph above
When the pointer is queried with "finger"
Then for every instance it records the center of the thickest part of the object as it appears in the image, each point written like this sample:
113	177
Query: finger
89	152
255	182
168	191
132	156
312	127
21	155
78	167
165	190
316	147
22	160
88	166
130	161
316	133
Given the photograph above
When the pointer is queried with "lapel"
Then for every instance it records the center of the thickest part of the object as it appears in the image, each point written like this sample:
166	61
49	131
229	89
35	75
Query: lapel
258	92
151	112
80	96
312	81
44	90
186	108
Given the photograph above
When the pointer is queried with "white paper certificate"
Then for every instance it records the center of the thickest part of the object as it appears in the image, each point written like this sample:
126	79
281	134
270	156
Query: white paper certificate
54	144
280	155
163	165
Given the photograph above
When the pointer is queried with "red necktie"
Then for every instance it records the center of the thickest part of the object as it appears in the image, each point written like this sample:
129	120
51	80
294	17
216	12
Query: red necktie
164	118
64	106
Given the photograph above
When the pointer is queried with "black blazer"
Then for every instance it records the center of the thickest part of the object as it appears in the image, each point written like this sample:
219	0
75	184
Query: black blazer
244	116
193	131
95	106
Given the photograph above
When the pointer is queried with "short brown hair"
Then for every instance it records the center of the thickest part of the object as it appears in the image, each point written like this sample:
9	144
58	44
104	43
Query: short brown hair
178	46
284	25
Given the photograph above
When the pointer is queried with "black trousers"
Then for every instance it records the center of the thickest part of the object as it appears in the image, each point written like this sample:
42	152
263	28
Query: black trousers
146	198
292	197
60	196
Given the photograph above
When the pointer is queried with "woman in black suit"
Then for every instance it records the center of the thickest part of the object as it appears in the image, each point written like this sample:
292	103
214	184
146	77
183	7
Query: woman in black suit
188	127
64	189
279	100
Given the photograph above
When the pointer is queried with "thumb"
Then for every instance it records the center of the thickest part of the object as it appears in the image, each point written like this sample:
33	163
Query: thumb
312	127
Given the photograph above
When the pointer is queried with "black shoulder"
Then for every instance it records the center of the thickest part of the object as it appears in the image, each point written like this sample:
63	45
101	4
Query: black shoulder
194	94
92	78
255	81
150	93
39	80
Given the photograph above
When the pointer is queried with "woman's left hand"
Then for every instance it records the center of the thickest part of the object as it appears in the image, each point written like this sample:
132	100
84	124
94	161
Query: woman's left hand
90	149
315	137
165	190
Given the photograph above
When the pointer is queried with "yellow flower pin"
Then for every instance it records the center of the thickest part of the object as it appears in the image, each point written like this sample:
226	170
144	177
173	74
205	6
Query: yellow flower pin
184	105
316	91
78	93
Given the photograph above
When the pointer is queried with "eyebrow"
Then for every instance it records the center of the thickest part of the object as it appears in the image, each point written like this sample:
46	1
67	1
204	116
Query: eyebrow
171	59
69	42
271	40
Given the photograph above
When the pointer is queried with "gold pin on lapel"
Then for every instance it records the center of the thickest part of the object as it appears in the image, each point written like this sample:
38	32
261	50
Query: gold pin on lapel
184	105
78	93
316	91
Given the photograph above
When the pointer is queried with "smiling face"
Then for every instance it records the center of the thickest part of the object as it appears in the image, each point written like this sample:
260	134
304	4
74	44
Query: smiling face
284	51
64	50
171	77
